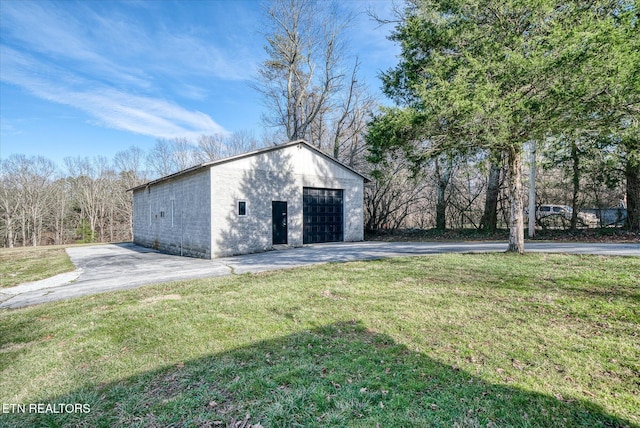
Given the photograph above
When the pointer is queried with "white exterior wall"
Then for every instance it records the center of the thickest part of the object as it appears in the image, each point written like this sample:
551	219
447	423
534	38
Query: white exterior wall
277	175
317	171
174	215
196	213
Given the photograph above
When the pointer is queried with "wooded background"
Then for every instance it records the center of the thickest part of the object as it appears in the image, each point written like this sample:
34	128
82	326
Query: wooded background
477	84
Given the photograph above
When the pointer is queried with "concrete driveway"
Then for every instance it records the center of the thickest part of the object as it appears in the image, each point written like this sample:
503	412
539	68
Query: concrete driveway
103	268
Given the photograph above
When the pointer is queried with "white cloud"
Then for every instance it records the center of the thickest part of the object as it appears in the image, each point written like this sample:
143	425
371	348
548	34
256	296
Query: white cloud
63	37
201	57
107	106
122	71
118	47
144	115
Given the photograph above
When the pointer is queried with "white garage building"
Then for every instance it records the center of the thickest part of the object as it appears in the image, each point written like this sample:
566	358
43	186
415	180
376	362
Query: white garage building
290	194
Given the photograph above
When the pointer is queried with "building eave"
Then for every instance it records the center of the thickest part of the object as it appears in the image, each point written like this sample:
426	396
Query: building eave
246	155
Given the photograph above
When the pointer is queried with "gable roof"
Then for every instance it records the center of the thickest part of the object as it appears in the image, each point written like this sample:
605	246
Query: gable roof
250	154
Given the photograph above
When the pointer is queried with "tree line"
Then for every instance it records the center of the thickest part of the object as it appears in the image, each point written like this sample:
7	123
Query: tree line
493	76
477	86
86	200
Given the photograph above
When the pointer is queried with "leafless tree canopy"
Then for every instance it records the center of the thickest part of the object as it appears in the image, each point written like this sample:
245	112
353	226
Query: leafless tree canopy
309	80
302	72
86	200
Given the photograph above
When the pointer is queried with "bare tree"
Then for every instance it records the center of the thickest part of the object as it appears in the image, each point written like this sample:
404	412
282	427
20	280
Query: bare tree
241	142
211	147
160	159
352	113
172	155
464	194
303	71
26	186
184	153
128	165
444	167
60	215
394	197
218	146
92	193
9	203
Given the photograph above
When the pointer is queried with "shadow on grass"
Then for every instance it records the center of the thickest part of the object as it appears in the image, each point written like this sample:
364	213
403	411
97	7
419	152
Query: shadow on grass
337	375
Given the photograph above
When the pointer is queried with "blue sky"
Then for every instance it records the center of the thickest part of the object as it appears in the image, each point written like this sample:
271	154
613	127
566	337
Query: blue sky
94	77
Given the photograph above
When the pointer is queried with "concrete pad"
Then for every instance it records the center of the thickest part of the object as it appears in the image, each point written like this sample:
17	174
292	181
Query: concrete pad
54	281
347	252
103	268
114	267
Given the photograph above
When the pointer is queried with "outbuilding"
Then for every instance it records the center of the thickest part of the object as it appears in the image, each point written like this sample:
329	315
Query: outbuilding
288	194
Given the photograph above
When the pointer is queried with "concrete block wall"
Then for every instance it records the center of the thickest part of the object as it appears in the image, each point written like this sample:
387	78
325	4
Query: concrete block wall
196	213
258	181
318	171
174	215
278	175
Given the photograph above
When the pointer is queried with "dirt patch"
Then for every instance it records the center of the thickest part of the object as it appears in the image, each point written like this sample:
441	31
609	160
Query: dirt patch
14	347
161	298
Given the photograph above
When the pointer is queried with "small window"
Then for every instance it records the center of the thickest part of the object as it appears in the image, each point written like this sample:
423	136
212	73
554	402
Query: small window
242	208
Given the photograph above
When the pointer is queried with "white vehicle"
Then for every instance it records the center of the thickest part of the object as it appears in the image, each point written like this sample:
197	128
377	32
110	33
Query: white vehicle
565	212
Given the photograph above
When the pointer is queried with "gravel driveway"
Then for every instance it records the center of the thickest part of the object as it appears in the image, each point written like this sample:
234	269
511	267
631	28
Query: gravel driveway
103	268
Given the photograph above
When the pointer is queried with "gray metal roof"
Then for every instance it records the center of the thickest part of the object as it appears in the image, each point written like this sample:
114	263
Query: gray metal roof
246	155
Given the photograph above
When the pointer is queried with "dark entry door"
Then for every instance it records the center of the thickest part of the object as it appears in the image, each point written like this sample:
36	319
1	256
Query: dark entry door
279	220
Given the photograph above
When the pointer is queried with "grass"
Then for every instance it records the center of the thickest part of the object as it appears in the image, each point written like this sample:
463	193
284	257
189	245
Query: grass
451	340
26	264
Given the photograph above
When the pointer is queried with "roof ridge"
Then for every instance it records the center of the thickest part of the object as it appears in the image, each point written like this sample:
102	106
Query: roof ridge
246	155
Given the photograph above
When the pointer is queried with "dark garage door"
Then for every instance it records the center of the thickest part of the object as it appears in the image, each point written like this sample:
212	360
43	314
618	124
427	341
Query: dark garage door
322	213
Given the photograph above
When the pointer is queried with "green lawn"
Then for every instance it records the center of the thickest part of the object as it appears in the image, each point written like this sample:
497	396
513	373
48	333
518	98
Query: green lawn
451	340
26	264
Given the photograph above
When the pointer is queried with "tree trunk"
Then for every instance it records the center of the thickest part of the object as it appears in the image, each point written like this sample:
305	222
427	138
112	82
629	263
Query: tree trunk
442	178
516	221
61	212
632	175
34	237
24	230
575	158
489	221
10	237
